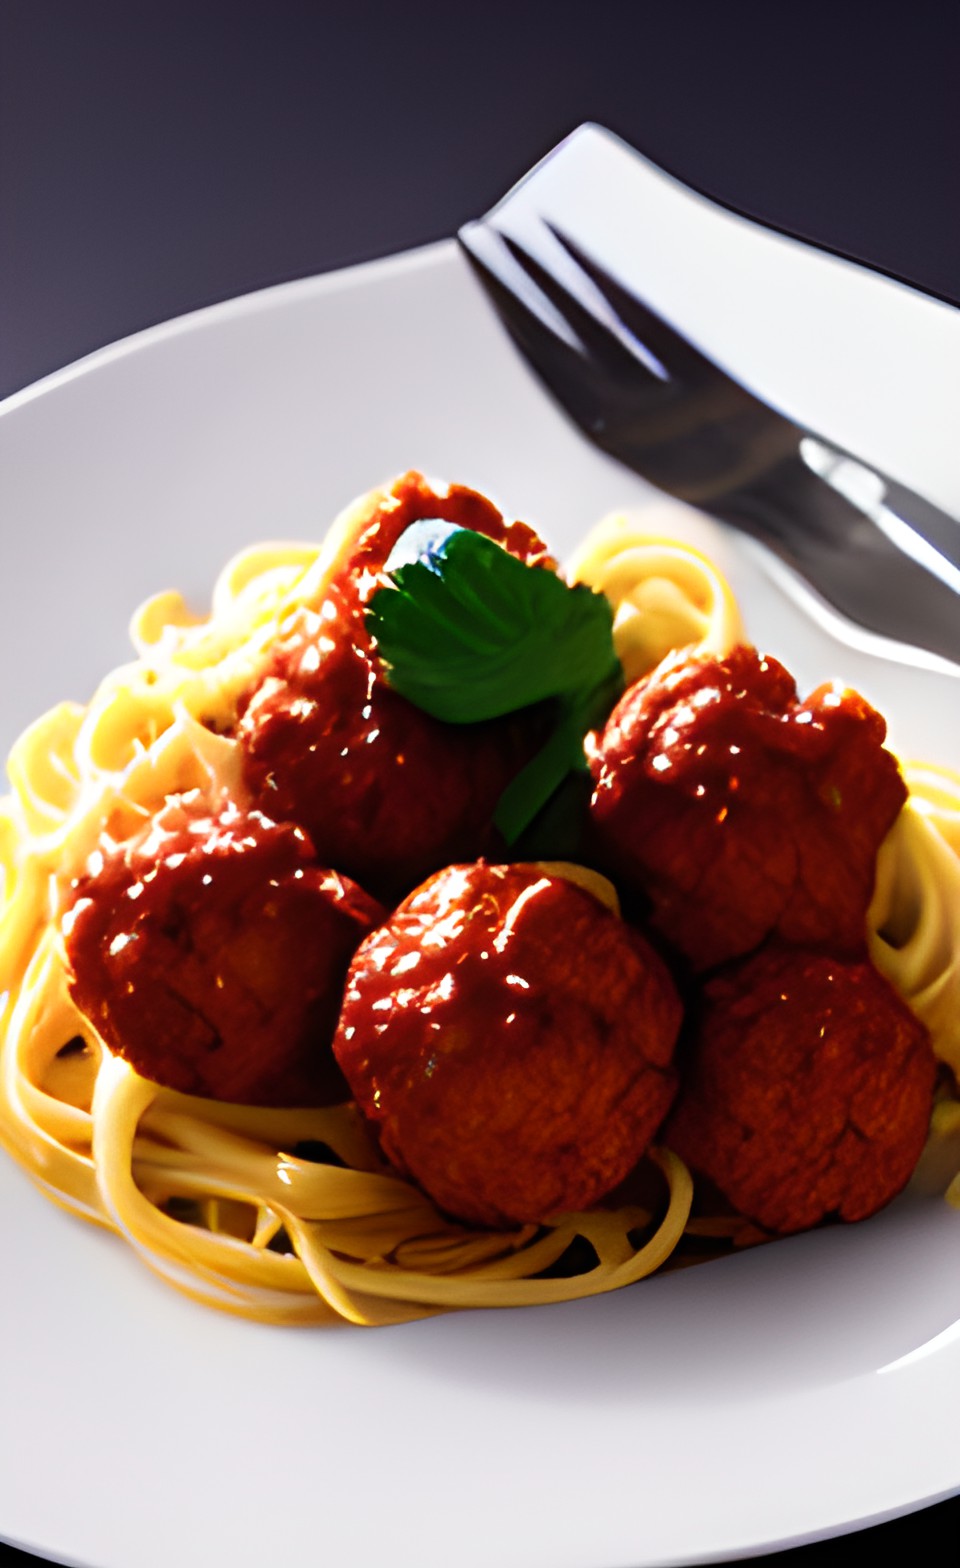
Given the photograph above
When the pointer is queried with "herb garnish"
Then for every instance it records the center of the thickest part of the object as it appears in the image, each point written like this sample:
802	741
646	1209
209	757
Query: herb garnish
468	632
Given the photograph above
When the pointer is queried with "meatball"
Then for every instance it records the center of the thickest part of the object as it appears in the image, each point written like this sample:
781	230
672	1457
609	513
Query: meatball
511	1040
387	793
808	1091
375	523
742	811
210	952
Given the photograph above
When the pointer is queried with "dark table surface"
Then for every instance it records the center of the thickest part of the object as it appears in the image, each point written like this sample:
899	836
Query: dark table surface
159	156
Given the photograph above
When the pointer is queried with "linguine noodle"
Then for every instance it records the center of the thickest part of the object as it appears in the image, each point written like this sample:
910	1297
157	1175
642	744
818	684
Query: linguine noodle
292	1216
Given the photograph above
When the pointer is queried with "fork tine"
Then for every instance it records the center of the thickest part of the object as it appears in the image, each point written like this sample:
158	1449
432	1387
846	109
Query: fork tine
575	297
541	331
516	295
685	361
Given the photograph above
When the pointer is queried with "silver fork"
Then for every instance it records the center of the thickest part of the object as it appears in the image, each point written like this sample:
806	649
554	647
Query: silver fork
877	552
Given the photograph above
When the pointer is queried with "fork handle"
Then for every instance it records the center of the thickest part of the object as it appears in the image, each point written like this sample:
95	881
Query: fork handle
875	551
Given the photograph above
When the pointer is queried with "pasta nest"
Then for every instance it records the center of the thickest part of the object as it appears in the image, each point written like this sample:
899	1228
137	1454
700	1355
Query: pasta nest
291	1216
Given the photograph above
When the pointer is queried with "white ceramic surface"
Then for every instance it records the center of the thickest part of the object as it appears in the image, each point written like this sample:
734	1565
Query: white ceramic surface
791	1393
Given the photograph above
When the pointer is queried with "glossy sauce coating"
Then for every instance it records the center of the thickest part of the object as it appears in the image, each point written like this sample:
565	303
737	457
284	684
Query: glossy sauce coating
742	811
808	1089
211	951
387	793
511	1041
412	498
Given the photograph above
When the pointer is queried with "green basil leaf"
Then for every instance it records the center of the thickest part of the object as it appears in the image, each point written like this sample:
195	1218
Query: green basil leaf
468	632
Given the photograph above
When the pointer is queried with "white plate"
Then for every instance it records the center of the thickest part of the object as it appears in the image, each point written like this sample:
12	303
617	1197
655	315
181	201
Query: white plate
794	1392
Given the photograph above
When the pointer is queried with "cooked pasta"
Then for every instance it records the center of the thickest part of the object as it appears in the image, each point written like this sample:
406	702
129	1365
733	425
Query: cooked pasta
292	1216
665	595
914	919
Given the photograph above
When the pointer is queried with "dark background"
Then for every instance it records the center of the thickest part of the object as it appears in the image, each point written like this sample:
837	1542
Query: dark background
156	156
